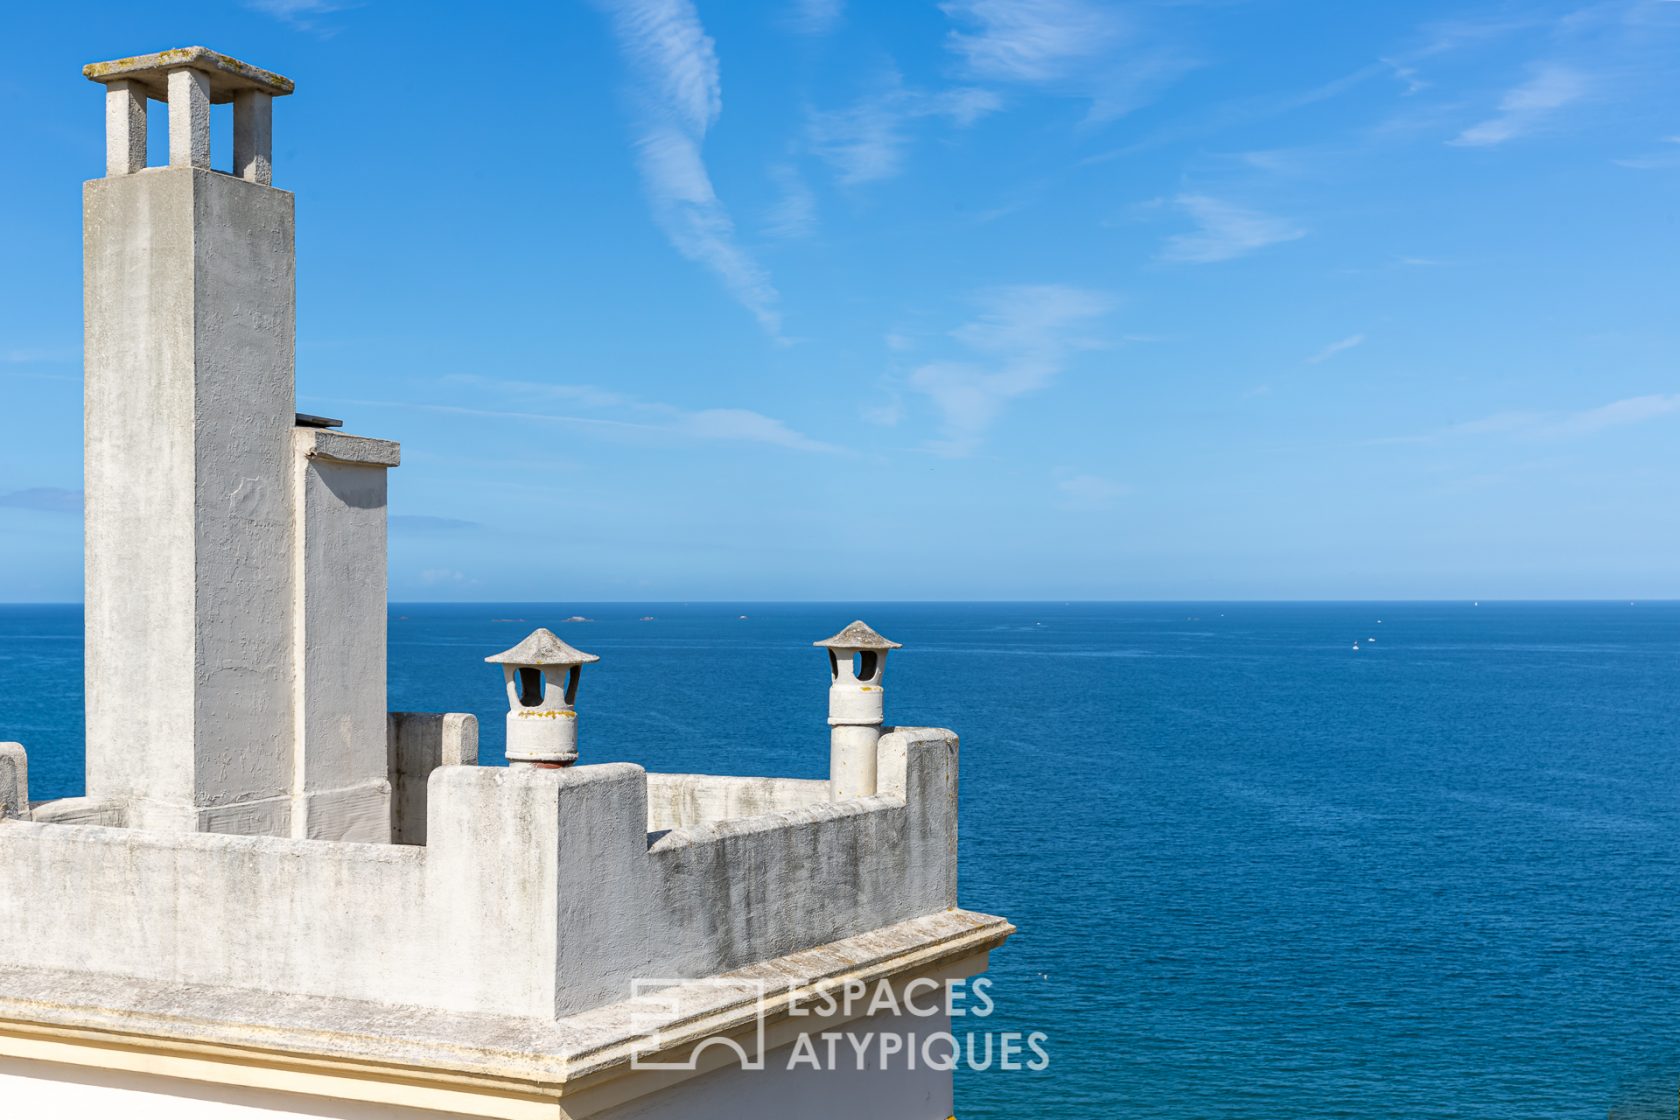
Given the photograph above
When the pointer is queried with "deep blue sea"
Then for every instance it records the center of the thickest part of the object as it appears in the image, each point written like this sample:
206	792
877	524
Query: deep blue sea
1257	873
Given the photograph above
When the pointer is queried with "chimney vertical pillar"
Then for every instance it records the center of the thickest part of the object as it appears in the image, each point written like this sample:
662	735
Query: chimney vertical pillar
125	128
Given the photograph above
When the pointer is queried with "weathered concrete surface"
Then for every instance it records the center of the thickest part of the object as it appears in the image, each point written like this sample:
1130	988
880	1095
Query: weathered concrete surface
253	136
189	119
418	743
227	76
125	128
547	875
103	811
340	778
14	781
492	1065
680	800
189	399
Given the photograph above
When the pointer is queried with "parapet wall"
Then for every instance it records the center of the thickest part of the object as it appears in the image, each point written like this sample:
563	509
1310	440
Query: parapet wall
679	800
538	892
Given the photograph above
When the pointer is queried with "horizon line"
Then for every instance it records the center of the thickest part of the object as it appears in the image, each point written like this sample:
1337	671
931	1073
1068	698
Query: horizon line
390	603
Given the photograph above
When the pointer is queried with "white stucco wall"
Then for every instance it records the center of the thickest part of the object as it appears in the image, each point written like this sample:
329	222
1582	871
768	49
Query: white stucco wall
341	785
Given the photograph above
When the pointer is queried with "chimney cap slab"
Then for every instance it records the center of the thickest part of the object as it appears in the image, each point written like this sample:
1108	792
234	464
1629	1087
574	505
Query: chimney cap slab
150	72
858	636
543	649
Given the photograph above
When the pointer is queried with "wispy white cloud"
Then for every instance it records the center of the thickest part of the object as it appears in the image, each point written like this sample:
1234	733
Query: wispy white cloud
1407	75
1631	410
746	426
301	14
1337	347
1030	40
794	215
1243	112
869	139
1663	157
1224	231
20	356
679	96
43	499
888	413
427	523
1554	425
1525	108
813	17
621	415
1071	46
446	577
1023	338
1448	35
1089	493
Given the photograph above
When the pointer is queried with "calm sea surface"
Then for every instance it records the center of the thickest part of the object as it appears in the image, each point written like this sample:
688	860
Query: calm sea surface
1256	873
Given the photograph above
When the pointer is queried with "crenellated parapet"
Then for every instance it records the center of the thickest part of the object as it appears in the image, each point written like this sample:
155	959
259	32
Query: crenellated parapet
558	878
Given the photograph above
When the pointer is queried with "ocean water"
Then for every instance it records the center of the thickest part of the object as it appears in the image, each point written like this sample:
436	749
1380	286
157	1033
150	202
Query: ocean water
1257	873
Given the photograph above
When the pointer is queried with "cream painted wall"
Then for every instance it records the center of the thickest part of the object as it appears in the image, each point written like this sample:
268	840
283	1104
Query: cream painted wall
47	1089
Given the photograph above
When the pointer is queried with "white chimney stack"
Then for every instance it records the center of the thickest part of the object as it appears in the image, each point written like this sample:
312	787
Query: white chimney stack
857	656
542	680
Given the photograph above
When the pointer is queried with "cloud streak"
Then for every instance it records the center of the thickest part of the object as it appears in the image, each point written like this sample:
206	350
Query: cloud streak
44	499
427	523
869	140
794	216
1024	337
1089	493
1554	425
1341	345
299	13
1224	231
1526	107
813	17
679	96
636	418
1669	157
1065	45
1030	40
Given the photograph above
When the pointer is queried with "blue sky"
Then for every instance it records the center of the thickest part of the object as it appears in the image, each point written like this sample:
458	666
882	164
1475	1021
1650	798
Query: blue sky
979	299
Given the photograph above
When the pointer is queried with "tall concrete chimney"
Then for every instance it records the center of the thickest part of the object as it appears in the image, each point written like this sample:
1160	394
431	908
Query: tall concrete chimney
217	671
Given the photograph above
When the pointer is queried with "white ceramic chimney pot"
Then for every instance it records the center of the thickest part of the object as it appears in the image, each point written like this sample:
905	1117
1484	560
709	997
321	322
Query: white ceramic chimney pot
857	659
542	680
